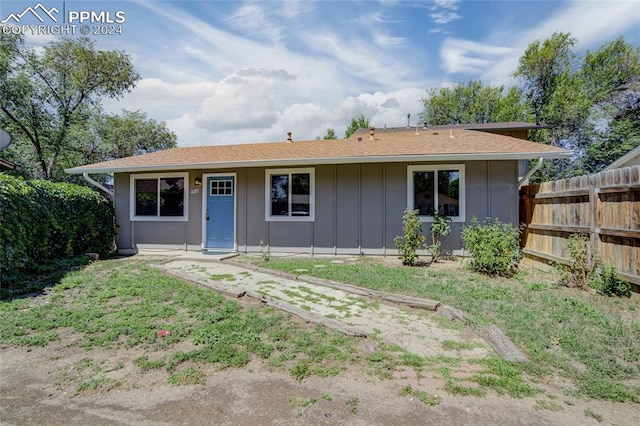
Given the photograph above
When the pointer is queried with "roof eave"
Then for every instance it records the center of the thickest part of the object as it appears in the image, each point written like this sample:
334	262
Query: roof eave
624	159
330	160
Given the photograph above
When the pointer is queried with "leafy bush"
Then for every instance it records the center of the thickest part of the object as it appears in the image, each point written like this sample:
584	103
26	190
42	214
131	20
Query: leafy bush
413	238
606	280
439	228
578	273
494	246
43	221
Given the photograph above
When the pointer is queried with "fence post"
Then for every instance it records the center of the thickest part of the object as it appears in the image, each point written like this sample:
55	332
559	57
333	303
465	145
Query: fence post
594	200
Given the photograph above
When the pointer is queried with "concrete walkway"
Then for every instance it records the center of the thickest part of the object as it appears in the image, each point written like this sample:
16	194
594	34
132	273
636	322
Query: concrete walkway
420	332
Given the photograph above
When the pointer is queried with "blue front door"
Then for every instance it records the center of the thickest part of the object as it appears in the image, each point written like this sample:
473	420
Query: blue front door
220	212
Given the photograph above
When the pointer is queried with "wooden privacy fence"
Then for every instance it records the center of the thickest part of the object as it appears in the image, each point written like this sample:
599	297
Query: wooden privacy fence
605	206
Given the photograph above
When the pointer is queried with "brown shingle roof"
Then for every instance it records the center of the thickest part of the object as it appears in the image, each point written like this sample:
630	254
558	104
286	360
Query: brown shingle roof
425	145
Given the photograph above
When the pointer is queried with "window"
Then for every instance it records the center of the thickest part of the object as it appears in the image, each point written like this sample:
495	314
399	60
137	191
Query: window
159	197
438	189
221	188
290	195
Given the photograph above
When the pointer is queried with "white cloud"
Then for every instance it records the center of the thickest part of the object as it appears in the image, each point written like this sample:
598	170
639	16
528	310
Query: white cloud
267	74
161	99
377	25
376	17
452	4
464	56
444	17
224	50
444	11
360	59
592	23
391	108
222	87
385	40
242	120
291	9
243	100
253	20
390	103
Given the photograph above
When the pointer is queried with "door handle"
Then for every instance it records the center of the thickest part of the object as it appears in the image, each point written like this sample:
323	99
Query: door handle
207	214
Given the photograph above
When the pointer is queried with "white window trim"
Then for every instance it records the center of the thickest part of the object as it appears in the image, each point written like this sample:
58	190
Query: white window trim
312	195
436	168
158	218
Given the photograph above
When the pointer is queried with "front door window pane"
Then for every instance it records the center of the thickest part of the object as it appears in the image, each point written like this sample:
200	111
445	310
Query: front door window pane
221	187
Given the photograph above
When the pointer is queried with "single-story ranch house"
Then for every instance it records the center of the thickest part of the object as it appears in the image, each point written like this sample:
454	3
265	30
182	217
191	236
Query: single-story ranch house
341	196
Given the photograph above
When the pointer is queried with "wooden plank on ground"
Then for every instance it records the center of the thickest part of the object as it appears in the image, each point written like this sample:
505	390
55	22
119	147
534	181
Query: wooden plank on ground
412	302
502	344
452	313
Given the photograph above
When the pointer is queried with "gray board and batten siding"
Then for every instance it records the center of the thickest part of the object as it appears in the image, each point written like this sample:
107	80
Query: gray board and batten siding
358	210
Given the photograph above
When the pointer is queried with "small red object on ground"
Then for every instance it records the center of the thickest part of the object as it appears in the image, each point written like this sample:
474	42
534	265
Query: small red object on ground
163	333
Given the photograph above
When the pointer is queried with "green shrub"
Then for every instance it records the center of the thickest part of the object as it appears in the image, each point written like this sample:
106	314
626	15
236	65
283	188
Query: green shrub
606	280
439	228
579	271
413	238
42	221
494	246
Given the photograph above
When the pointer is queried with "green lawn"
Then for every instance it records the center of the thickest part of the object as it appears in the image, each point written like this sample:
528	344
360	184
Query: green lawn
125	303
113	305
590	339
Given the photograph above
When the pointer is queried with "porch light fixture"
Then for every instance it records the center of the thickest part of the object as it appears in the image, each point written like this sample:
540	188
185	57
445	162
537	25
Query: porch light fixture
197	181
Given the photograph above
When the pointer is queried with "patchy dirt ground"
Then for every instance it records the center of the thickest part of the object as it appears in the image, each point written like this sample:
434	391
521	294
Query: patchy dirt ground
33	392
38	387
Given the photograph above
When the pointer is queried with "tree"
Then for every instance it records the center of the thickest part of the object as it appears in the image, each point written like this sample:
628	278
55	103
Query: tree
542	68
46	94
111	136
612	80
360	123
472	102
552	90
589	103
620	137
611	72
331	134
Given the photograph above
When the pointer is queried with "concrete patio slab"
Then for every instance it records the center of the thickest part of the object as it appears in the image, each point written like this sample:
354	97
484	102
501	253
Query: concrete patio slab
418	331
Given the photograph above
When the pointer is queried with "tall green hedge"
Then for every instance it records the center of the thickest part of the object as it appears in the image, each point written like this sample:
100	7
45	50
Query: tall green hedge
41	221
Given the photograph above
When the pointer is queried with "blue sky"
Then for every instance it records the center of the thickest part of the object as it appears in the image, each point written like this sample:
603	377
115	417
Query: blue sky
222	72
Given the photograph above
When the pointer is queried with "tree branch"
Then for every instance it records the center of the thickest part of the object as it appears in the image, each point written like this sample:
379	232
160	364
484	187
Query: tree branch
34	140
